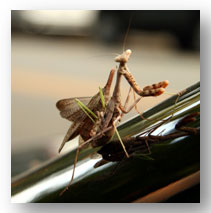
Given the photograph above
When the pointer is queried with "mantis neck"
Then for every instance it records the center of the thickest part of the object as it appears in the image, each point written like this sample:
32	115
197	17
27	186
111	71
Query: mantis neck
116	93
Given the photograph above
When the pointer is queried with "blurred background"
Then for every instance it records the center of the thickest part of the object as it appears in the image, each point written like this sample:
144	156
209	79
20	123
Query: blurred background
63	54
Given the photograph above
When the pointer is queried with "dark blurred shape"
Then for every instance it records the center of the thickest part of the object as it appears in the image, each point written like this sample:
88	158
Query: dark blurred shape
184	24
111	25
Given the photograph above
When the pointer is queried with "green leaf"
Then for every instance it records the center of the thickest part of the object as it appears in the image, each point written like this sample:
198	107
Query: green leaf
142	156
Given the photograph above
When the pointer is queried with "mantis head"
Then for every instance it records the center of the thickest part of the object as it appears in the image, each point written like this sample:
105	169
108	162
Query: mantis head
124	57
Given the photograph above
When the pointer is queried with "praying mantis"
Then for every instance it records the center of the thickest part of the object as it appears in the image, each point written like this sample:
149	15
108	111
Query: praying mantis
98	129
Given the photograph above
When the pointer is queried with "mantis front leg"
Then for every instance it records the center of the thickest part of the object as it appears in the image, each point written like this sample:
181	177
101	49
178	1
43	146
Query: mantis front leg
152	90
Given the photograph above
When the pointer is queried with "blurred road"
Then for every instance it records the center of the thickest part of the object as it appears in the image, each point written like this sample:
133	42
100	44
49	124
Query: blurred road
46	69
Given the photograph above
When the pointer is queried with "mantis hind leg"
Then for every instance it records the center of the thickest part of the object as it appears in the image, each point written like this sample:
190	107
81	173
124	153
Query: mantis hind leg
73	173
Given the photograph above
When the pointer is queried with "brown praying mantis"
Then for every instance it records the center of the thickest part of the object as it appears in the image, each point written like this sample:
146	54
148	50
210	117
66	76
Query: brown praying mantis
98	130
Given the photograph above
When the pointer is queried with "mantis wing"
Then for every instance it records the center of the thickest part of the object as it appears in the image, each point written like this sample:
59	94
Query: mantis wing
69	109
78	116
